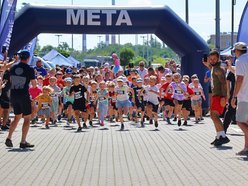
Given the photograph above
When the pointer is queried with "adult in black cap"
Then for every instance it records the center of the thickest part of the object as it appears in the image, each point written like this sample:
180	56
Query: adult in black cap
21	74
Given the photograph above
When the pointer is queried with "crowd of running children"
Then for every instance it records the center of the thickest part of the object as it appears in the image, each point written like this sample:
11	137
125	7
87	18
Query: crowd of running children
141	94
109	93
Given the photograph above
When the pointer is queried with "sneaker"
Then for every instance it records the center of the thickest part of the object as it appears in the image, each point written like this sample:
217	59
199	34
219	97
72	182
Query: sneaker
242	153
26	145
8	143
47	127
201	118
85	126
59	117
179	123
156	124
91	124
79	129
168	120
213	141
102	124
122	127
151	122
185	123
4	127
142	124
175	119
221	141
33	121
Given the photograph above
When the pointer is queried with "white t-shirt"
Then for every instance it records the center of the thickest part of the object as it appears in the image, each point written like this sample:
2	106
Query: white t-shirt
142	73
122	93
152	97
241	70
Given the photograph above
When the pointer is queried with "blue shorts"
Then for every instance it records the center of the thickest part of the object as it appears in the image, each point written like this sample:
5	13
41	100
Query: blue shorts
122	104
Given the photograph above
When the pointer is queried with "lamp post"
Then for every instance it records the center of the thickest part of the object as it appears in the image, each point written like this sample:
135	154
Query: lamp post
232	29
187	11
217	26
143	45
58	35
72	34
99	37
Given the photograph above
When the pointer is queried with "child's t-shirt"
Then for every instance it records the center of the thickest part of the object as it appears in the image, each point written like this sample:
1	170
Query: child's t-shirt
122	93
102	96
34	92
178	90
152	96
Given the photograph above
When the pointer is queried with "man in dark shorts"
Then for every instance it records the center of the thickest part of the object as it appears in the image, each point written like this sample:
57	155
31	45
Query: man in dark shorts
219	96
21	74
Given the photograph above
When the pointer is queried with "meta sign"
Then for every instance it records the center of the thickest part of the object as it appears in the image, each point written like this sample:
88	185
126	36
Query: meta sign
98	17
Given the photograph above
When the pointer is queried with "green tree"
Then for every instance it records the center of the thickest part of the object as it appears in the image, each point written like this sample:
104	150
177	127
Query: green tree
138	59
126	55
159	60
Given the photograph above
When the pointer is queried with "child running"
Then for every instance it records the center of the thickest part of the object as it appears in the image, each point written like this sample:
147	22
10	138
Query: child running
92	101
122	102
102	97
79	105
44	101
68	100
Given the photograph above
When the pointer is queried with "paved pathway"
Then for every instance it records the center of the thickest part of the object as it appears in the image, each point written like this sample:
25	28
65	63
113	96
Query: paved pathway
133	157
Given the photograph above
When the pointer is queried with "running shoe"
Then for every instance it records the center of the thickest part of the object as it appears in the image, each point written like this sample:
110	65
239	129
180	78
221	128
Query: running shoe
221	141
26	145
179	123
4	127
122	127
151	122
91	124
142	124
156	124
242	153
85	126
168	120
79	129
185	123
47	127
8	143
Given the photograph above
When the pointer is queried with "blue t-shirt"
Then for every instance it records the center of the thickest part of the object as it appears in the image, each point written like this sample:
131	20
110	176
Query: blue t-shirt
41	71
20	76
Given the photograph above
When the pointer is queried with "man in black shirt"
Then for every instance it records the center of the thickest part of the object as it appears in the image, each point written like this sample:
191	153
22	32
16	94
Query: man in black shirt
21	74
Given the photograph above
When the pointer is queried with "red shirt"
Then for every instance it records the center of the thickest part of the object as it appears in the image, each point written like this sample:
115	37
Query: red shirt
190	92
169	94
34	92
60	82
46	81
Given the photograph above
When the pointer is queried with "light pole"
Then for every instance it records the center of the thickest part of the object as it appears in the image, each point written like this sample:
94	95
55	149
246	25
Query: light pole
232	29
187	11
143	45
99	38
58	35
72	34
217	26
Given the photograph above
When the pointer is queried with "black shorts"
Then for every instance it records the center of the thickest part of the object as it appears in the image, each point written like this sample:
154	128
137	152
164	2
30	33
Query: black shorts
4	101
154	107
168	102
140	105
67	104
113	104
179	102
21	105
79	106
187	105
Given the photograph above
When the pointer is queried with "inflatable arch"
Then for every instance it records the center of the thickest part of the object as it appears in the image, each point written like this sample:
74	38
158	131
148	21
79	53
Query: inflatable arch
243	31
162	21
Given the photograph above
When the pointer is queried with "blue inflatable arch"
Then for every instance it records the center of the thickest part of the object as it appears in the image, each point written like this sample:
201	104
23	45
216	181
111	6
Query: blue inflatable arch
243	31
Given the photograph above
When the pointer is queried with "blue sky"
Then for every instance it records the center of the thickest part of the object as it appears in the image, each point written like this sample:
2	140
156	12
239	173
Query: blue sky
201	17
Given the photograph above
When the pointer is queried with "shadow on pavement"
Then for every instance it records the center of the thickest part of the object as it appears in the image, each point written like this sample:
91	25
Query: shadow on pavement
115	125
235	134
20	150
223	147
125	130
180	129
103	128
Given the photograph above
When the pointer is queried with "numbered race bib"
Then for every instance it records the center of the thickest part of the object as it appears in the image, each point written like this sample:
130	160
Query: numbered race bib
44	105
78	95
197	93
178	91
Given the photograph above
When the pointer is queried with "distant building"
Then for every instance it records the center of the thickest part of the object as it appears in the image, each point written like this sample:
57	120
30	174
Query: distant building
225	39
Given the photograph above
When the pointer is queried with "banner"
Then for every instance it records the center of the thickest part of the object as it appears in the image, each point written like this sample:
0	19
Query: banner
31	47
8	16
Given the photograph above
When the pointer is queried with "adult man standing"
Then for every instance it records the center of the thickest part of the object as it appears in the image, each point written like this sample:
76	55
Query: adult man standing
39	69
142	70
219	96
21	74
240	91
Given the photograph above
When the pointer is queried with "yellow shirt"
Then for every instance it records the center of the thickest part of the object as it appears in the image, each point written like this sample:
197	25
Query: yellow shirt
44	101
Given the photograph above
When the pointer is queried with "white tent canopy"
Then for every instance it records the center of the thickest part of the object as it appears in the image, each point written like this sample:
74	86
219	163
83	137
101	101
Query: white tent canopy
73	61
56	58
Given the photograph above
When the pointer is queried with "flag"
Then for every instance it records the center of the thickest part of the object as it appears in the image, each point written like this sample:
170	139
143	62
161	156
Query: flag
31	47
5	34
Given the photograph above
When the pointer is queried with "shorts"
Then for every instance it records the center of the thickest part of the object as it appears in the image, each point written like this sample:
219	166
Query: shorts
67	104
55	105
21	105
140	105
4	101
195	103
187	105
178	102
241	113
154	107
79	106
123	104
92	105
215	105
168	102
44	112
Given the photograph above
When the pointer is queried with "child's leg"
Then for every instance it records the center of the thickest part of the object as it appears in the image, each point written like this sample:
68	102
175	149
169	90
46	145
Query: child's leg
77	114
